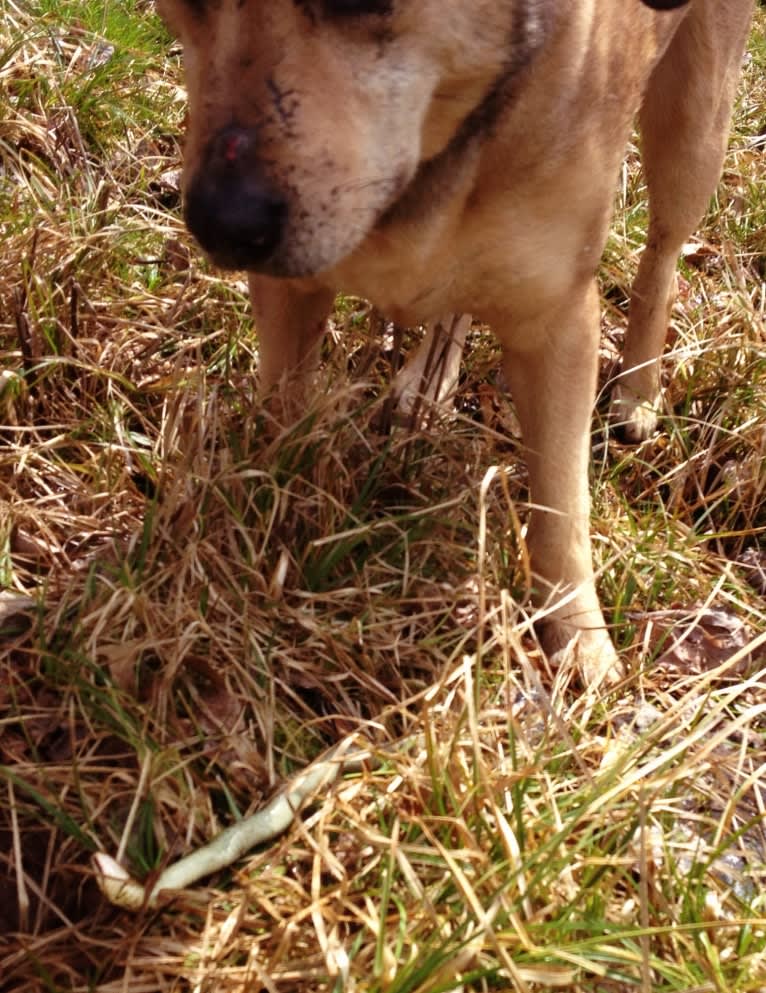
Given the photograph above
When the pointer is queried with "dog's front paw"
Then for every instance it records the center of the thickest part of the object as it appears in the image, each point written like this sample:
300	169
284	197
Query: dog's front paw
589	650
634	417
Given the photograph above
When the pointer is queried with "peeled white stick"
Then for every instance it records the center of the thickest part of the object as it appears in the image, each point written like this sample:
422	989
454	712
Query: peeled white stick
269	822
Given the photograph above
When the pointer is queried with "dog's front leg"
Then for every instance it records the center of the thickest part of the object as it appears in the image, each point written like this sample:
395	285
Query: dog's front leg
551	365
289	322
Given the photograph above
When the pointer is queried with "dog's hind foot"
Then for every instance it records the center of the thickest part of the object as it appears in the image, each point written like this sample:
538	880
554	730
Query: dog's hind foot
634	417
430	377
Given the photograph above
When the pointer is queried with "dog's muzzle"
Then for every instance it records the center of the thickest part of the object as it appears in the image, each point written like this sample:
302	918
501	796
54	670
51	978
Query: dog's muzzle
231	209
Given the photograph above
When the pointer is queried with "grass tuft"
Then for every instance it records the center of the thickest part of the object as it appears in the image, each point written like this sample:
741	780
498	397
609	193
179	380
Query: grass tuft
196	602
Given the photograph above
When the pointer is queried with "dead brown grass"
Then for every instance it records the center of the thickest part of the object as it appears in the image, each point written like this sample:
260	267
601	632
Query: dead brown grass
216	599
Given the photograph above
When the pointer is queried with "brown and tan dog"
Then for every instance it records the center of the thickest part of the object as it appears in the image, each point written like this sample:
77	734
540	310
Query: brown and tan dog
441	156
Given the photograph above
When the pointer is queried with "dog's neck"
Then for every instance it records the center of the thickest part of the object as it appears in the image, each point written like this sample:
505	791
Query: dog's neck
437	177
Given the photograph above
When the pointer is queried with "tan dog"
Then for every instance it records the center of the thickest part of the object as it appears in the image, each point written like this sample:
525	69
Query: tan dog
441	156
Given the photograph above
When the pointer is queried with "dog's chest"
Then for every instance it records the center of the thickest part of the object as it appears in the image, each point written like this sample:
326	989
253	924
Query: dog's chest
499	255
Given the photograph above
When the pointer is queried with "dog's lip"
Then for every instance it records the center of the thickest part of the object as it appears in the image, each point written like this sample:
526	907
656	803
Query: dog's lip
247	255
235	260
280	263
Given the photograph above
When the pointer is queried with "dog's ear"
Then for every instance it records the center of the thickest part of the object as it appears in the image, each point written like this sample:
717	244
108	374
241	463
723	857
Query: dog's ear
665	4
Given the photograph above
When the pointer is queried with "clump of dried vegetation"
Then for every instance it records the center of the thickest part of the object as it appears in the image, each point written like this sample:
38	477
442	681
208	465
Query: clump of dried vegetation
196	603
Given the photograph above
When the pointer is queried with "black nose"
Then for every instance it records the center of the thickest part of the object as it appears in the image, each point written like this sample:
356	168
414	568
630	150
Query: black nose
231	209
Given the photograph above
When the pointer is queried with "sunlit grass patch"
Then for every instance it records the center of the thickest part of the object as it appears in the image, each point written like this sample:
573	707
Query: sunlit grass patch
196	601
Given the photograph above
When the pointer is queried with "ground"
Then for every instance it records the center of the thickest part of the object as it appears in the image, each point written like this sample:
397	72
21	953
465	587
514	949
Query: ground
196	604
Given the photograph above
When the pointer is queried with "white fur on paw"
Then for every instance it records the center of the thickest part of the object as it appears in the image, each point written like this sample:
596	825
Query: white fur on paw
636	418
591	651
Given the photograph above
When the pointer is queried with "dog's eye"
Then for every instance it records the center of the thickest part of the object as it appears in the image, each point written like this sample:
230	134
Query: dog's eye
173	12
197	7
357	8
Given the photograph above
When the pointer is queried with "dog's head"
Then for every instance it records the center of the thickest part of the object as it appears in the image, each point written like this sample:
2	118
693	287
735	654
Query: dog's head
308	119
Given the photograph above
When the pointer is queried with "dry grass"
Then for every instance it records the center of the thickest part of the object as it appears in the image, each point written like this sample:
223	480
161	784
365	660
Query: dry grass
215	600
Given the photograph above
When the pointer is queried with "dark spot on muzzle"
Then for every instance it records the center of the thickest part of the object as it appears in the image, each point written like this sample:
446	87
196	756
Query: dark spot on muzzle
232	210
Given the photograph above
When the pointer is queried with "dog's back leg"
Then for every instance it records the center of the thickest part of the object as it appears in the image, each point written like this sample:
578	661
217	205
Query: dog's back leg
431	375
684	123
